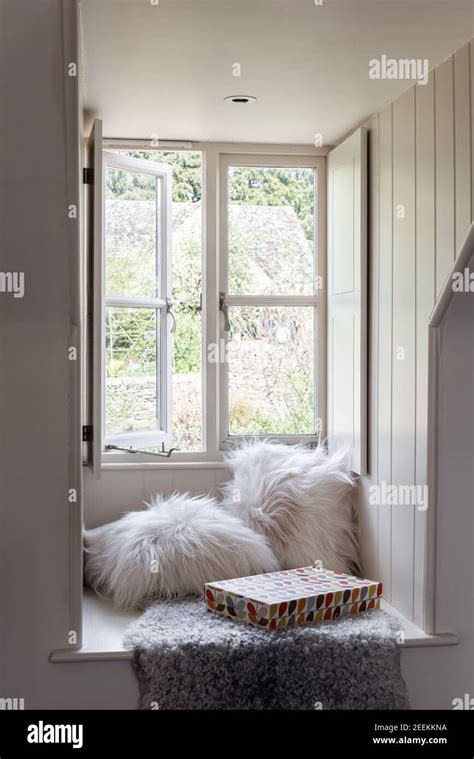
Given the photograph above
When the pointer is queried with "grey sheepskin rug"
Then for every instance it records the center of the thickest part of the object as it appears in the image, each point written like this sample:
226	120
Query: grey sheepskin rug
188	658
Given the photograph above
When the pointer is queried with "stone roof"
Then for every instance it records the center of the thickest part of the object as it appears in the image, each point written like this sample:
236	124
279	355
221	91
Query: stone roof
270	237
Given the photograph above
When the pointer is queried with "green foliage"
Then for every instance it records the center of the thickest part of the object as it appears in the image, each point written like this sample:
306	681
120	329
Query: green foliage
257	423
300	399
129	345
130	342
187	343
187	180
276	187
127	185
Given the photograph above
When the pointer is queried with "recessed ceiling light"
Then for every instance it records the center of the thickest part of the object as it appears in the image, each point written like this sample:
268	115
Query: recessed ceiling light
240	99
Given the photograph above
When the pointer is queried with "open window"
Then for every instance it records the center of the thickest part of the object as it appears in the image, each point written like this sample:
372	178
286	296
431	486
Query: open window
132	317
260	371
137	302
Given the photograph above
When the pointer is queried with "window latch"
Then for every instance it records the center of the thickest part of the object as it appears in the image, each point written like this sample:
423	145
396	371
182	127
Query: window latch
169	311
164	454
225	310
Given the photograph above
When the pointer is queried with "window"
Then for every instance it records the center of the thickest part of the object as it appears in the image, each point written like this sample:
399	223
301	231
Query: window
209	300
137	290
134	383
271	294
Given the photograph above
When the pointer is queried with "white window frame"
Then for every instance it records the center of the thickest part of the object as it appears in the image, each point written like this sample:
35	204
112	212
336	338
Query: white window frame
214	442
161	304
316	301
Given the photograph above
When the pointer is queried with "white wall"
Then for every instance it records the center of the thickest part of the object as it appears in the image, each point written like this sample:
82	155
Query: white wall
38	128
120	491
421	158
421	155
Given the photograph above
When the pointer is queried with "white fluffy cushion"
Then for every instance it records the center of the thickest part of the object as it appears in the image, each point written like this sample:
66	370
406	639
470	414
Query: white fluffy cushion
171	550
300	498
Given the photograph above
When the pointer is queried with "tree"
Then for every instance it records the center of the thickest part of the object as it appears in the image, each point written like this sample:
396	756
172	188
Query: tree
187	182
269	186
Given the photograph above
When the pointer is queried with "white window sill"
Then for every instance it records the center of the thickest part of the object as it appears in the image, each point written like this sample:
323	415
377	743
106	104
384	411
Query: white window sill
104	627
127	466
122	461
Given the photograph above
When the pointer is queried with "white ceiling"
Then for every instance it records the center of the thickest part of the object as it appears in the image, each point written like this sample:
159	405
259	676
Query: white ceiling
165	69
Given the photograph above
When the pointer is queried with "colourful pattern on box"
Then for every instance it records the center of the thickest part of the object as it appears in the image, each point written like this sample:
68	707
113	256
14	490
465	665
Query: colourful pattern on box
293	596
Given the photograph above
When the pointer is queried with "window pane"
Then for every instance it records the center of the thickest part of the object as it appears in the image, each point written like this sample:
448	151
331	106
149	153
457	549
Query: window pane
271	231
186	283
132	389
187	341
131	261
271	370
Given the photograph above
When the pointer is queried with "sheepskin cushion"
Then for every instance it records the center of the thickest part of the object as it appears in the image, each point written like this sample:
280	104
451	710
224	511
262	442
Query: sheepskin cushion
300	498
171	550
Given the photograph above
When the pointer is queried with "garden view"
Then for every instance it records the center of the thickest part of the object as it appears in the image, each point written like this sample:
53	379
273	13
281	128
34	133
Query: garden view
271	348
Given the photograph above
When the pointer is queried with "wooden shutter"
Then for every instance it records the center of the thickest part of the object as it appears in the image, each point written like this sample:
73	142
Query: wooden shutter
94	298
347	297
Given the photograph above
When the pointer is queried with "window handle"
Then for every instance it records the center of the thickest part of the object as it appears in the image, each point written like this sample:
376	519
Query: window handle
164	454
169	306
224	308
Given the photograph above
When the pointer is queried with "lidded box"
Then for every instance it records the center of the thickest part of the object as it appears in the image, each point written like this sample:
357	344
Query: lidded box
293	596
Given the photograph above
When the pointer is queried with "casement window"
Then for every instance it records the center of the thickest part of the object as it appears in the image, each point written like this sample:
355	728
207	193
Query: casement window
204	333
137	303
271	291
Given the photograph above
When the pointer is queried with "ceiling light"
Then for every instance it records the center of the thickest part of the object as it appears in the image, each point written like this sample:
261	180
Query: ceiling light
240	99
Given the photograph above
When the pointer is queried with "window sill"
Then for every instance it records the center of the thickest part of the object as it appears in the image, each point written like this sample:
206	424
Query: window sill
415	636
124	461
121	461
128	466
104	627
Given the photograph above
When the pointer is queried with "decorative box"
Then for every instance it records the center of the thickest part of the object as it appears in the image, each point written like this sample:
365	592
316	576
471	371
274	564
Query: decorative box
294	596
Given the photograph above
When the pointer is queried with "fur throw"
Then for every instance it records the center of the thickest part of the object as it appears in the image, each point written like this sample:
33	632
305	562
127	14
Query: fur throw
300	499
171	550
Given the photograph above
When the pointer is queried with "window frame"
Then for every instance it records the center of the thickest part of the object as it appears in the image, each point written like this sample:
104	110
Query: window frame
160	304
315	301
214	443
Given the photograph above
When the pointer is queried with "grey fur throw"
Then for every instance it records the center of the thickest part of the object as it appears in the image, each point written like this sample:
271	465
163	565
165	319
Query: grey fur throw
188	658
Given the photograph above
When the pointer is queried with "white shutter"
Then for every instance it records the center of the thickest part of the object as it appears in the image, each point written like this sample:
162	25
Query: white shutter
94	243
347	297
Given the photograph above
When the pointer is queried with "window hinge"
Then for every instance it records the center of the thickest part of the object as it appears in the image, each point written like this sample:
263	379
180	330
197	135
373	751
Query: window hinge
87	433
88	176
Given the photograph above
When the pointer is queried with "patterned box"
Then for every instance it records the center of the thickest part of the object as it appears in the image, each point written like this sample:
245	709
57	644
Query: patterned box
295	596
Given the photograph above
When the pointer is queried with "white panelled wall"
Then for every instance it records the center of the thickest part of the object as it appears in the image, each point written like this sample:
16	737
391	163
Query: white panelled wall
119	491
421	202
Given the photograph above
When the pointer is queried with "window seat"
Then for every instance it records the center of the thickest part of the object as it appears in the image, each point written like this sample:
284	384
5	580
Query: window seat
104	627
